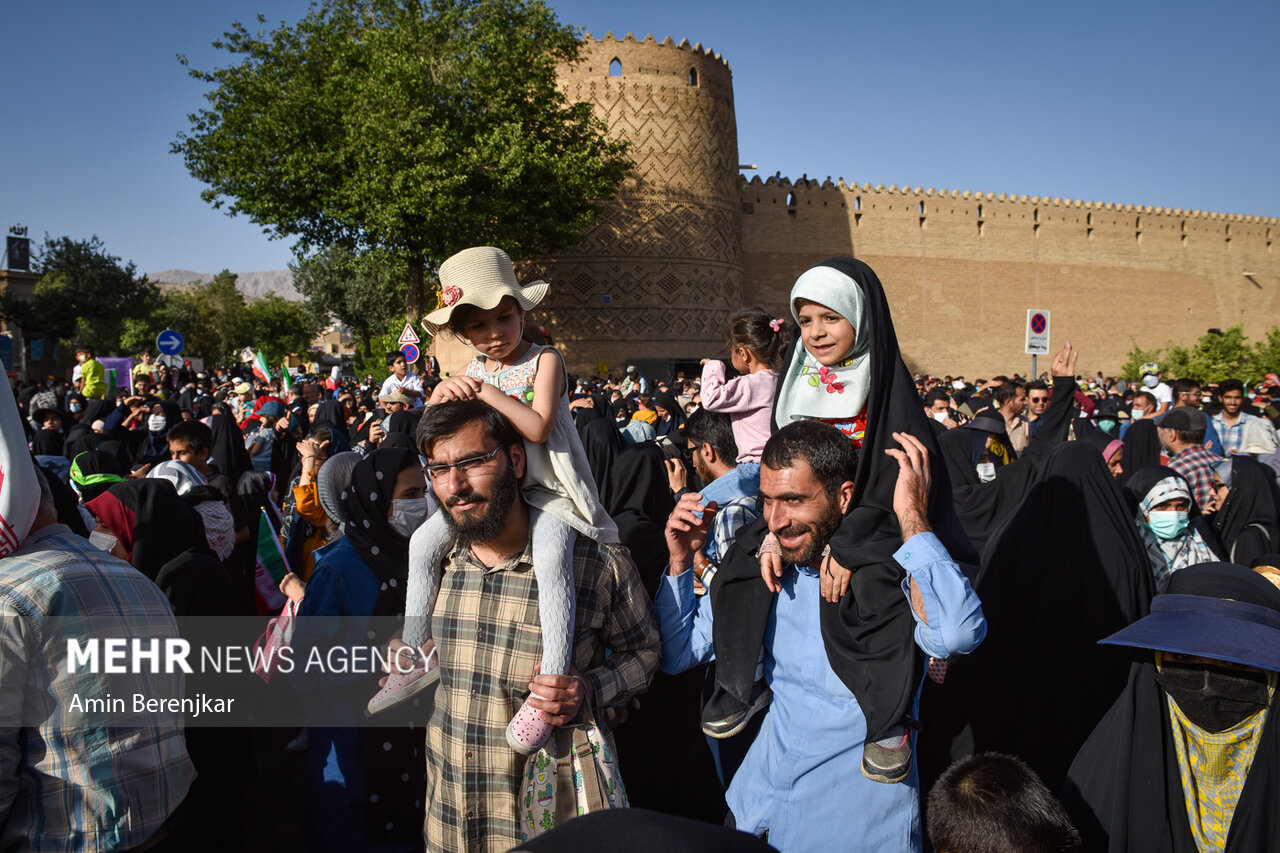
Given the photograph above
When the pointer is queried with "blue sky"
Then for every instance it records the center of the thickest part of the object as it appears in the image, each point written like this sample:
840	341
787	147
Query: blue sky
1169	104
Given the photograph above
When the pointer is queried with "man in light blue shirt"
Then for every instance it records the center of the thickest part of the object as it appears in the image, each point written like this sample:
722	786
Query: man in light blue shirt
801	783
1231	421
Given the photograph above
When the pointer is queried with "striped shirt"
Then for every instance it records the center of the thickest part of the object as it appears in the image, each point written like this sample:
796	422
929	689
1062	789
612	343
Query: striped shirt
70	781
734	515
487	626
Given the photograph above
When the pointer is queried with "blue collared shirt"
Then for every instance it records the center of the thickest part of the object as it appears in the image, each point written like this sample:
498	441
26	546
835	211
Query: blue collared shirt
684	618
802	779
1232	435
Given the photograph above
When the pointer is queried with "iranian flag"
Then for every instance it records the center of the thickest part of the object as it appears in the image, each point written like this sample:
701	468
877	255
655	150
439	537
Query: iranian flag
260	368
285	383
270	569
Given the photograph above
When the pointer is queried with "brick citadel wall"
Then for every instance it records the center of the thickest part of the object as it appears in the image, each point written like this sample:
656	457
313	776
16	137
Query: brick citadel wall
962	268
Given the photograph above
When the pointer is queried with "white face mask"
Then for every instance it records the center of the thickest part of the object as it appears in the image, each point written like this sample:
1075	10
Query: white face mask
1151	381
156	423
105	541
958	385
940	416
407	515
986	471
1137	414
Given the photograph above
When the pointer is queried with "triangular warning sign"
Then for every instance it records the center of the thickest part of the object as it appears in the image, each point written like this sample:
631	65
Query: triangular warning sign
408	336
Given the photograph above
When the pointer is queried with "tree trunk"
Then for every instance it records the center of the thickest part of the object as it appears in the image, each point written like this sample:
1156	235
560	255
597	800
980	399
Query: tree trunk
364	339
417	266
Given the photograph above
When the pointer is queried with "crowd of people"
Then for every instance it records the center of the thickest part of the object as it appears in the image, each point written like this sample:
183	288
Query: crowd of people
802	600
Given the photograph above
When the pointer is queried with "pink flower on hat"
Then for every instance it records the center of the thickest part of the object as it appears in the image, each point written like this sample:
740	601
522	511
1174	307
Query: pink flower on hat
451	294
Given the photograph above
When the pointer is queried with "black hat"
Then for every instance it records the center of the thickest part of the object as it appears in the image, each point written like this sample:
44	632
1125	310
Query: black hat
1182	418
1213	610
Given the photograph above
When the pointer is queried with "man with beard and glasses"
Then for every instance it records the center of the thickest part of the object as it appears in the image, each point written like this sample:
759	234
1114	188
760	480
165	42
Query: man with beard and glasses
802	784
486	625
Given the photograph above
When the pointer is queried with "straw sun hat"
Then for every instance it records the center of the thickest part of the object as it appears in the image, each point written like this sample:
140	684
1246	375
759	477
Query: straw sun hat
480	276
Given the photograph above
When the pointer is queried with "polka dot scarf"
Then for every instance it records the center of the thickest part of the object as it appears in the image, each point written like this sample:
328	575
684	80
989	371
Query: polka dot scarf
366	500
391	756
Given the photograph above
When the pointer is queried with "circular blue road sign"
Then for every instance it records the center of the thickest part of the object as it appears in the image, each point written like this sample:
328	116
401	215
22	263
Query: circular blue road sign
169	342
410	352
1037	323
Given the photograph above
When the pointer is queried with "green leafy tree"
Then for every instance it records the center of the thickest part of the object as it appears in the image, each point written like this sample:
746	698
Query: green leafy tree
419	127
375	361
84	294
279	327
1218	356
1266	354
223	310
1137	356
365	292
216	323
1214	357
1176	362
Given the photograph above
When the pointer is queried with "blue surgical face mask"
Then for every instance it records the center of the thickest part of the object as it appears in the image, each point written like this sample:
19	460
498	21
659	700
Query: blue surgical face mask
1168	524
1107	425
1150	380
76	407
1137	414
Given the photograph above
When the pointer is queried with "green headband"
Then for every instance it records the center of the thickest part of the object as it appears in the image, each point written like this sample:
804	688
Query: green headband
82	479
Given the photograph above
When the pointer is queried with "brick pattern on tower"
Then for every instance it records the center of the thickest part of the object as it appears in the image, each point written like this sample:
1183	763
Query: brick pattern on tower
666	255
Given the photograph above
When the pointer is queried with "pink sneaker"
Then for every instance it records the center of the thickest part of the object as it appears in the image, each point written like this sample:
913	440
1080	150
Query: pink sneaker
405	685
527	731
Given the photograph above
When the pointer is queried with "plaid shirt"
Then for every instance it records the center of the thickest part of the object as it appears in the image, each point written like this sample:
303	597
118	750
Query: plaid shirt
731	517
1232	437
487	626
73	783
1196	464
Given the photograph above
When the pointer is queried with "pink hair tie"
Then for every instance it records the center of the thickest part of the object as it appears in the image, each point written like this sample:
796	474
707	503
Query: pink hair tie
776	325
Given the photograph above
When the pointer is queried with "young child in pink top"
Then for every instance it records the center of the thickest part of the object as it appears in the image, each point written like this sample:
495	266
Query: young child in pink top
757	343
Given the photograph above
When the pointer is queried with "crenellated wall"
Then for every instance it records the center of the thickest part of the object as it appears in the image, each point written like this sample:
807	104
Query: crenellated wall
962	268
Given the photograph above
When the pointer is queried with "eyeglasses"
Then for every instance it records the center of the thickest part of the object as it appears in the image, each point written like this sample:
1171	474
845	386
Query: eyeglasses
466	467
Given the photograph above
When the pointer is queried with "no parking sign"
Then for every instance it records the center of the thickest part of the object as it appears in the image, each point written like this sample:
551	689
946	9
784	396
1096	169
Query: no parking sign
1037	332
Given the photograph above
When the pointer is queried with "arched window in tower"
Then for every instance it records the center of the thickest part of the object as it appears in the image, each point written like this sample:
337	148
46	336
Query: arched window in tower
693	76
791	199
615	67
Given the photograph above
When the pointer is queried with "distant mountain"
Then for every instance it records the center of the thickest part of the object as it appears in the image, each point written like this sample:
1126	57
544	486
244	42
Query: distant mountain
252	284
